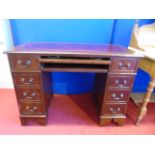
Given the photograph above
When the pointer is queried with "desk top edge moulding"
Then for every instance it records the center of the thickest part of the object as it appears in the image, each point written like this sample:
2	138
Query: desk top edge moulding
114	66
78	49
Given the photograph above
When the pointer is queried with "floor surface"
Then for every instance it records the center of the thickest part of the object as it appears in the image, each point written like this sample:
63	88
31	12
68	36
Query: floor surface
74	114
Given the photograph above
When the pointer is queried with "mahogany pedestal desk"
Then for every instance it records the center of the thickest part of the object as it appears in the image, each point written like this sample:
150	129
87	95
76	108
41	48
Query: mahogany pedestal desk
31	64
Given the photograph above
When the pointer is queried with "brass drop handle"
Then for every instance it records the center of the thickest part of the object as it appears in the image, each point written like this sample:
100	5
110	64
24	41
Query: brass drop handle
118	109
117	97
29	97
121	95
22	79
29	81
26	64
112	110
114	95
115	110
125	82
19	62
33	94
24	94
120	84
120	64
128	65
124	66
31	109
117	81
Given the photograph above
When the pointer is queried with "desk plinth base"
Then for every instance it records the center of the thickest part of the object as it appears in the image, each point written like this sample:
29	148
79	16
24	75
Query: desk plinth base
104	120
40	119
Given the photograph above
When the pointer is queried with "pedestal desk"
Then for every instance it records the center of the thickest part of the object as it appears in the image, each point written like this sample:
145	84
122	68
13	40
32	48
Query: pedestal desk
31	64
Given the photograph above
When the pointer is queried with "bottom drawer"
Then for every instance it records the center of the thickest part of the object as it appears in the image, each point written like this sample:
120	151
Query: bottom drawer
31	108
114	109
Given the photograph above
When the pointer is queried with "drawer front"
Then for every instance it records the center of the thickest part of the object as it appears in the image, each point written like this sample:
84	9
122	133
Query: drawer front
31	108
120	81
117	95
114	109
28	94
26	79
124	64
23	62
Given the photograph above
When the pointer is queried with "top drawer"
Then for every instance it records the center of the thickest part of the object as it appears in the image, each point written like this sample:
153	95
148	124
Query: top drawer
23	62
124	64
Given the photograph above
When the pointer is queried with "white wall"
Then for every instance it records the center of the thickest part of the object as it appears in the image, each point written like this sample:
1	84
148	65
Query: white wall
6	43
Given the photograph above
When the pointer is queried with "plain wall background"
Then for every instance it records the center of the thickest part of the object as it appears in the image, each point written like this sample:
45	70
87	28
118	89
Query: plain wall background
116	31
6	43
83	31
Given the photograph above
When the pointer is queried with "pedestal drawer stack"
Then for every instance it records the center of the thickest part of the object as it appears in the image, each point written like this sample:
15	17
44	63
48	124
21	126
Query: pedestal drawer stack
118	86
28	80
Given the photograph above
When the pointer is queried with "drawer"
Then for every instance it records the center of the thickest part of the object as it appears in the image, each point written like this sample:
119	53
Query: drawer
114	109
31	108
120	81
124	64
117	95
28	93
26	79
23	62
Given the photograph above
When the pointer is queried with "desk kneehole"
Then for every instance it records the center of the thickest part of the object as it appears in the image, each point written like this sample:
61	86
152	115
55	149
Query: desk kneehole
75	64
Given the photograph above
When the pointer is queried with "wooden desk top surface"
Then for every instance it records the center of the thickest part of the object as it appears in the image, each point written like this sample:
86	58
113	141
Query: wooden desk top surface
74	49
